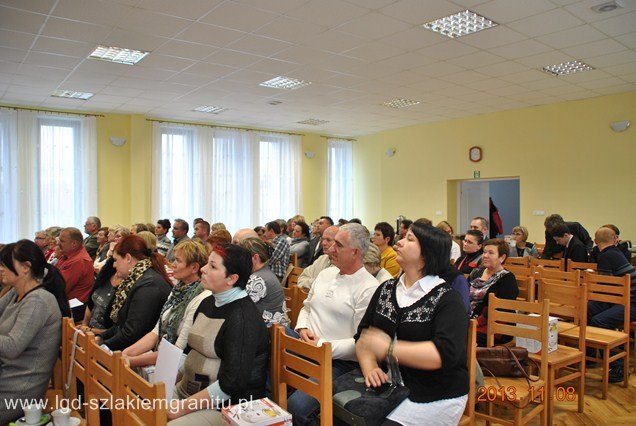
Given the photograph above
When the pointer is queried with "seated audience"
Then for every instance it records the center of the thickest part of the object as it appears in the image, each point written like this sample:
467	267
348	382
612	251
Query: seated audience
217	227
310	273
163	241
97	315
300	243
480	224
180	230
151	228
244	233
315	248
202	231
574	228
333	309
228	346
52	234
471	258
405	224
522	247
41	240
138	299
102	246
573	248
622	246
606	315
456	251
489	278
115	234
263	286
76	266
279	259
421	322
261	233
177	314
371	263
382	237
137	228
91	226
30	325
218	238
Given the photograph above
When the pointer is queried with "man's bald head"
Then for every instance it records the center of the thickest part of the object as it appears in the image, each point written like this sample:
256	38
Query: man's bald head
604	237
242	234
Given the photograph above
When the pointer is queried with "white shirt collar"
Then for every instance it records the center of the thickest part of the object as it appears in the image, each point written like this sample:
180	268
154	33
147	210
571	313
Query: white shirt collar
406	297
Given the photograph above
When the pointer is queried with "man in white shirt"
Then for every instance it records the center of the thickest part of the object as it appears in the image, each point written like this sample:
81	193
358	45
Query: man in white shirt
310	273
333	309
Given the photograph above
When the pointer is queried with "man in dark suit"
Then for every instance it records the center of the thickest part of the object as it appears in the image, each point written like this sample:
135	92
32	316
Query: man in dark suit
315	248
573	247
574	228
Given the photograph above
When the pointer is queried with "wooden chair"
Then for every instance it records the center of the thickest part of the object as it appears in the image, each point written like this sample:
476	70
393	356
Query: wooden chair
78	361
504	318
273	360
307	368
608	289
292	279
142	399
633	330
571	278
540	247
581	266
548	263
293	259
526	289
524	262
520	271
102	382
566	301
468	418
294	296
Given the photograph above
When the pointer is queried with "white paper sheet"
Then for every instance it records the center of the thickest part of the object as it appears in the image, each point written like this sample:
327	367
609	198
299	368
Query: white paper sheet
75	303
167	366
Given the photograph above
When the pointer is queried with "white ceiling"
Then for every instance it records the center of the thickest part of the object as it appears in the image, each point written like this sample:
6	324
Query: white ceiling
357	54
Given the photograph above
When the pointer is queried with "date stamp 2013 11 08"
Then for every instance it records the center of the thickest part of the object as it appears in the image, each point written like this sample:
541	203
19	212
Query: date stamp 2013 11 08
510	393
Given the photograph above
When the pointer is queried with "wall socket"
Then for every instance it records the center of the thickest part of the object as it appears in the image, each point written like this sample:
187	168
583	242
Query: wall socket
538	212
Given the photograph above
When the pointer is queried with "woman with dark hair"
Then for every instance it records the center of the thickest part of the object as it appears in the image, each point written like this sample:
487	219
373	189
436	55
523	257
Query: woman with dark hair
97	315
260	230
138	299
228	345
491	277
30	325
300	243
163	241
263	286
473	251
421	321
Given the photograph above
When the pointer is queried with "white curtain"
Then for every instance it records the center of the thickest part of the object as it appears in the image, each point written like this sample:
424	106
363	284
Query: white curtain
51	164
236	177
340	179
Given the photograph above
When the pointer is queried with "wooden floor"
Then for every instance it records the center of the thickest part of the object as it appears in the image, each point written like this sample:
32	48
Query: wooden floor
618	409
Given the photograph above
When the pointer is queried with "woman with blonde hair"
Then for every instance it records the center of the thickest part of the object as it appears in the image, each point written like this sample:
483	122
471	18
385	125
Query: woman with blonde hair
456	252
522	247
177	313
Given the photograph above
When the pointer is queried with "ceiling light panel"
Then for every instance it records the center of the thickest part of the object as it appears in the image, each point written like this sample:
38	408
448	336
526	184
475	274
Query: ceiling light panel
210	109
72	95
567	68
313	122
285	83
460	24
400	103
118	55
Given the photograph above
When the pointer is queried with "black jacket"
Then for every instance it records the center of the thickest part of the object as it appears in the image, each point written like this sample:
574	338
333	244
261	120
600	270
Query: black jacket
574	228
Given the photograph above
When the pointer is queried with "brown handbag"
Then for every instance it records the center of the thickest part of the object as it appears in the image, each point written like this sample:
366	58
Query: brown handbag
504	361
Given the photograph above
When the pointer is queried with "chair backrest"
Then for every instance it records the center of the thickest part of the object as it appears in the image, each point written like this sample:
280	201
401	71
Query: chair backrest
294	298
609	289
471	363
308	368
567	302
572	278
292	279
293	259
102	381
526	289
144	399
520	271
548	263
518	261
78	361
520	319
273	360
581	266
540	247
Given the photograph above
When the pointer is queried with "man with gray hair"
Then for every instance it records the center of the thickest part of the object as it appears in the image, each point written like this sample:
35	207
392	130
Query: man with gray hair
333	309
310	273
91	227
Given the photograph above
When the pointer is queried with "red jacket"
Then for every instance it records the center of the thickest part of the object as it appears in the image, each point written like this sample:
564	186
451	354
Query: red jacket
77	270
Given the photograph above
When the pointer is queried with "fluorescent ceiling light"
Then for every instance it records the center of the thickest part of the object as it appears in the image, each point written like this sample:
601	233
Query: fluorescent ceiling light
567	68
71	94
313	122
118	55
285	83
210	109
400	103
460	24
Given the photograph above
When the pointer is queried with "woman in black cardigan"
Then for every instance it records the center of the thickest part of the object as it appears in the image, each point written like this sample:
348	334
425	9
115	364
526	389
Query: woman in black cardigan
137	303
491	277
419	320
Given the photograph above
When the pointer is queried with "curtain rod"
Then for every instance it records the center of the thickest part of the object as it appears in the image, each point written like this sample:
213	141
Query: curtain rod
215	126
85	114
335	137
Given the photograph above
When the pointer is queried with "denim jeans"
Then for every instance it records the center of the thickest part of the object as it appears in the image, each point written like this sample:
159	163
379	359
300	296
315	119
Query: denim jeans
609	316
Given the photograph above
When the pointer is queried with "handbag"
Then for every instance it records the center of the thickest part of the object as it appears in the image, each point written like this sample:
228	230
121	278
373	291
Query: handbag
356	404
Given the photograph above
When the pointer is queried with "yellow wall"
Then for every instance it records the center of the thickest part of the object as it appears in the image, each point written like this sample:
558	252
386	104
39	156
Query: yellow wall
568	160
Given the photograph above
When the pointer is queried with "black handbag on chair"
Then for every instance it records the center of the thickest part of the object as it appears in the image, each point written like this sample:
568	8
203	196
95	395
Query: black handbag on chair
355	404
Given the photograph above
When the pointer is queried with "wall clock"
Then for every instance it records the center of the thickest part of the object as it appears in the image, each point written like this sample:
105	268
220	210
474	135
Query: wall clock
474	153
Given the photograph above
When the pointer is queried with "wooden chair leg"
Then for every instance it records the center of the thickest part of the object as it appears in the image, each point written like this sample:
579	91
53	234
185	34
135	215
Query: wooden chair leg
549	407
606	356
581	395
518	417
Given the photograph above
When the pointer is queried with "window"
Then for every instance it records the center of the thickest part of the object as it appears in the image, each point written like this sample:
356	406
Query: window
339	179
52	179
236	177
